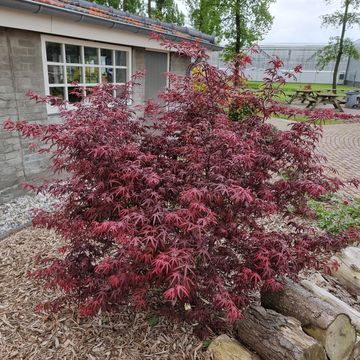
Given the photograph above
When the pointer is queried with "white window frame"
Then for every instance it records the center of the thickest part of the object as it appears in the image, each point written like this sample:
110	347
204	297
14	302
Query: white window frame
83	43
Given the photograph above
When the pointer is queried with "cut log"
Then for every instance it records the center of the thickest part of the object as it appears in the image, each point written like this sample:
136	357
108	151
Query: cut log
337	304
348	273
319	319
332	285
274	336
226	348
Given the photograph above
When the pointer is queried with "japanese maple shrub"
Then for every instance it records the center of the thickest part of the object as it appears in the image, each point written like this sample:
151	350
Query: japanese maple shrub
170	207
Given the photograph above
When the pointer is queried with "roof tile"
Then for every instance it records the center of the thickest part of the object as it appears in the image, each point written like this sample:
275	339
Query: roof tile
109	13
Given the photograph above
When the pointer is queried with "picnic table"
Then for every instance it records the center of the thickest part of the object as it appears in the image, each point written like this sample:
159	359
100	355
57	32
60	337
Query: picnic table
304	95
328	98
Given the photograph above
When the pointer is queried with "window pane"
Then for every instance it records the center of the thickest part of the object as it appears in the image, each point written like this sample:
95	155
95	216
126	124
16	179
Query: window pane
120	75
54	52
91	75
73	54
120	58
107	75
75	94
57	91
73	73
91	55
106	57
56	74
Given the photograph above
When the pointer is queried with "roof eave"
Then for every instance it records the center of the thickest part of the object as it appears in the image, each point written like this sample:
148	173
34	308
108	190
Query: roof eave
78	16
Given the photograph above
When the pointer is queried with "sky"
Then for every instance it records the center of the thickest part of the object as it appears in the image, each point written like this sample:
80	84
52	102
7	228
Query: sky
298	21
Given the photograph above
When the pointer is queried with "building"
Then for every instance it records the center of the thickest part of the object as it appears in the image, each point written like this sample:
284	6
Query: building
47	44
352	77
291	55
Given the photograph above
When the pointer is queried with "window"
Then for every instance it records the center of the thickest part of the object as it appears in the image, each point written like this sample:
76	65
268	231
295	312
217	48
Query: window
87	63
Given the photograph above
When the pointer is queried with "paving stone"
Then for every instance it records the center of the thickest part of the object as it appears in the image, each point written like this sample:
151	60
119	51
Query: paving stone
341	146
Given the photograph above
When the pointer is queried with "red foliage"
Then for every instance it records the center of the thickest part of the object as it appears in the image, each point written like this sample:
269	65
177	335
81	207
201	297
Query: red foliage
170	205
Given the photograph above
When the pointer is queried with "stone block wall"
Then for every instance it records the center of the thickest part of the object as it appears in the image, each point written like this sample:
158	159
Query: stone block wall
20	70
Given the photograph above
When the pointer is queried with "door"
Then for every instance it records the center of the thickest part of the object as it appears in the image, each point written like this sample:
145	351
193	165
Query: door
156	64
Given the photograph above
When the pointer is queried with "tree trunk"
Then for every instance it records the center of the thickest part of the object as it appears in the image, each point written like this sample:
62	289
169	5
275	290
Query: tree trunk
237	42
339	306
149	8
274	336
225	348
348	273
319	319
341	46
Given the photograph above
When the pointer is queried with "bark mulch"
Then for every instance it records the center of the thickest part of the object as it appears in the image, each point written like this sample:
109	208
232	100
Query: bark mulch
25	334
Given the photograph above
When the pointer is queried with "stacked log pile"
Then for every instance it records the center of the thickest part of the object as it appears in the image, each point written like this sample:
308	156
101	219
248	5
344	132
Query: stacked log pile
305	321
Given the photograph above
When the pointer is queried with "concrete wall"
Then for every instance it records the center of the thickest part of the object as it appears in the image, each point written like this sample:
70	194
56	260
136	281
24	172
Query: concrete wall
179	64
20	70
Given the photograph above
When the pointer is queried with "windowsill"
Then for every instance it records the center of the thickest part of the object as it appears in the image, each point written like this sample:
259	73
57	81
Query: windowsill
53	111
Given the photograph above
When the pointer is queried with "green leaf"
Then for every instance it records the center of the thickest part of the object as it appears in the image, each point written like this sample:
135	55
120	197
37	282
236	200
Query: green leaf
206	344
153	321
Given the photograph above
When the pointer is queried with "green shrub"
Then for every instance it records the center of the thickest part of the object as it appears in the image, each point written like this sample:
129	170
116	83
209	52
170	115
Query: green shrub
335	214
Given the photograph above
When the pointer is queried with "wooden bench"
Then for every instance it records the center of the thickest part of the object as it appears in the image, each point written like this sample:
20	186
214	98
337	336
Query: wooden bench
303	95
328	98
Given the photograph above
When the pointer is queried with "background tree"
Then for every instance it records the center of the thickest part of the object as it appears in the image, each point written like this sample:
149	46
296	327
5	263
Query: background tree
338	46
244	22
205	15
133	6
166	10
239	22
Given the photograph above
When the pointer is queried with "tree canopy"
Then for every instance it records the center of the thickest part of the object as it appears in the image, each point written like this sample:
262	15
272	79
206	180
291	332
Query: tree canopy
239	22
133	6
168	11
205	15
164	10
344	18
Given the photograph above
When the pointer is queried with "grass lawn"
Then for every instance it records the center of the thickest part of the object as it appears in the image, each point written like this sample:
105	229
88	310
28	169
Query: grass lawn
292	87
289	88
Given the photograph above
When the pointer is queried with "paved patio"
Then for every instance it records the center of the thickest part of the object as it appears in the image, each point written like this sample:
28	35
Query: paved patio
341	145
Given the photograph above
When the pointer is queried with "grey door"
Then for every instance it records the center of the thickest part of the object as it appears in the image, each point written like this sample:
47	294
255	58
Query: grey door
155	67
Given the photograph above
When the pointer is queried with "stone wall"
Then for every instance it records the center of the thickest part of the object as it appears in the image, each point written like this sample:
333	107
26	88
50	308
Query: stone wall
20	71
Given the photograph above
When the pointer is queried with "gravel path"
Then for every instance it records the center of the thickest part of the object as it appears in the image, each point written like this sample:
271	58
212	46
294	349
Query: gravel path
17	213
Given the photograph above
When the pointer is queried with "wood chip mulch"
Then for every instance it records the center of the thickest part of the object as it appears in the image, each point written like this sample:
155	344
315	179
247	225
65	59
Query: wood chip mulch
25	334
